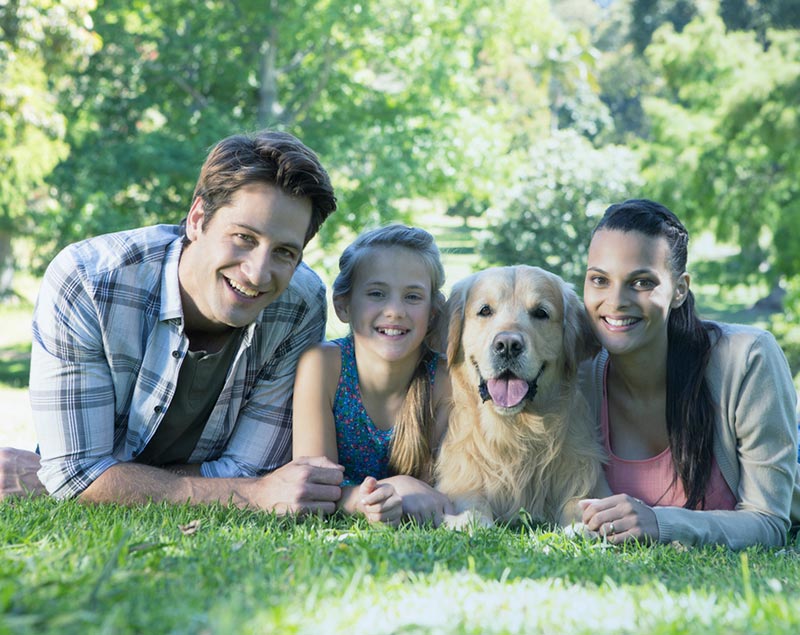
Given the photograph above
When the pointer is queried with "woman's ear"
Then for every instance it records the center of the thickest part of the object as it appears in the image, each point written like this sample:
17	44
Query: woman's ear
341	304
681	290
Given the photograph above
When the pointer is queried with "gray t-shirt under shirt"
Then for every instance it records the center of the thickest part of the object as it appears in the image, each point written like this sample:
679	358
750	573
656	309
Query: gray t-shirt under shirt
200	381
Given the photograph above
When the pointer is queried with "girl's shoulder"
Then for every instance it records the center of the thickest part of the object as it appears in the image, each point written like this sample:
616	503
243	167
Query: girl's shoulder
324	356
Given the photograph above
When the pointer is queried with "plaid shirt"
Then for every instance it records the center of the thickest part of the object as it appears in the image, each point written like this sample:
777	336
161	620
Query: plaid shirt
108	343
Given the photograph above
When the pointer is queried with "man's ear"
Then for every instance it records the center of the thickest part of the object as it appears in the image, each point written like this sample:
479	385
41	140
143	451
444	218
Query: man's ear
341	305
681	290
194	219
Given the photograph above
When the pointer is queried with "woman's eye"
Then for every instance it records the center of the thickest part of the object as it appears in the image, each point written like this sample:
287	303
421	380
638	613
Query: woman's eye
643	284
485	310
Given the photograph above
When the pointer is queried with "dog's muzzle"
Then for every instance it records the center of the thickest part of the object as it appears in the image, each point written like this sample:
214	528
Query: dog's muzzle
507	390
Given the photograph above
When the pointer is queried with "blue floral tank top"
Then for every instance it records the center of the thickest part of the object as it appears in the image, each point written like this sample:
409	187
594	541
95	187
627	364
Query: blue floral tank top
363	449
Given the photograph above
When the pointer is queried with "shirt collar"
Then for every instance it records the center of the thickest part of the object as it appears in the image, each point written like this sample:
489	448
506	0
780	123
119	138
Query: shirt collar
171	306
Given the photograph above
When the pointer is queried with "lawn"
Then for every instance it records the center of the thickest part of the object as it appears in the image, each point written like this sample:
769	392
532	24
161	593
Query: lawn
67	568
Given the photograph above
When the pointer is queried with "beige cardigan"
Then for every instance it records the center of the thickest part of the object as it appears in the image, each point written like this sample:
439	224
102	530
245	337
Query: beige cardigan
755	442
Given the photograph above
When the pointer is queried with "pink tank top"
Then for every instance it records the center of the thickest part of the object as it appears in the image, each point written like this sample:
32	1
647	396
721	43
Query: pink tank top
651	480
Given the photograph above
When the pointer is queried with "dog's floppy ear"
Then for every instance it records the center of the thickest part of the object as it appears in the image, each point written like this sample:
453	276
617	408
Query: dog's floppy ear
454	310
580	342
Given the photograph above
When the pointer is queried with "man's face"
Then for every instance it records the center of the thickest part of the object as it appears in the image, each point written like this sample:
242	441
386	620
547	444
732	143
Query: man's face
243	259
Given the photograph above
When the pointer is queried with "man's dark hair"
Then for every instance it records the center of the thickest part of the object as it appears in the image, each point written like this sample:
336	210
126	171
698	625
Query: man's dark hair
274	158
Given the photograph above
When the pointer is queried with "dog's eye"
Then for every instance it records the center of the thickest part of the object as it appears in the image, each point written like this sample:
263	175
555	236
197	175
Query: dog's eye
539	313
485	310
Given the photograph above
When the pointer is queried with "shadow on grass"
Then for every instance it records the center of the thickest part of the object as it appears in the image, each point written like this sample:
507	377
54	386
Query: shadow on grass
15	365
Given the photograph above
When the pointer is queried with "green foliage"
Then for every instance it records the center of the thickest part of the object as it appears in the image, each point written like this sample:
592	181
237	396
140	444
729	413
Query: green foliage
67	568
724	138
547	217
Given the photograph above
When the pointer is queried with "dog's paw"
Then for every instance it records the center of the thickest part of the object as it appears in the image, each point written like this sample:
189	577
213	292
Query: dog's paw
468	521
579	530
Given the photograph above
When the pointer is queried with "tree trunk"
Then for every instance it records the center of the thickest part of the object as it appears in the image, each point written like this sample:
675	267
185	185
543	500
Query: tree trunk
6	263
268	91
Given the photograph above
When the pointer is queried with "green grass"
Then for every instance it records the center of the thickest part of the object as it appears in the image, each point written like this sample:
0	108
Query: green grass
67	568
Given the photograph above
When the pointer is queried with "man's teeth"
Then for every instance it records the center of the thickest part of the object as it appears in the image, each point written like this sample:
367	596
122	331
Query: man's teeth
622	322
243	290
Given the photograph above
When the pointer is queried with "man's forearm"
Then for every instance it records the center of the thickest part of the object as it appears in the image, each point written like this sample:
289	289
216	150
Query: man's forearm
133	483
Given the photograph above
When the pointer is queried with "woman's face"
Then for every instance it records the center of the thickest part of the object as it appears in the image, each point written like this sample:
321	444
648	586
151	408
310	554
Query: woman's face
629	291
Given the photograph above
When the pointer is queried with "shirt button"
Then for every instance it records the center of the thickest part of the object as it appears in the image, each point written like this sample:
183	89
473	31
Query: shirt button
158	409
176	354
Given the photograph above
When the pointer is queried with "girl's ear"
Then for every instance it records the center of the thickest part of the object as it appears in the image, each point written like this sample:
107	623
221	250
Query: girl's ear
341	304
681	290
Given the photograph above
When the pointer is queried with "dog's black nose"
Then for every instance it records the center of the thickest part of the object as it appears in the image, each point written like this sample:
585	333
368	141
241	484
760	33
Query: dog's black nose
508	344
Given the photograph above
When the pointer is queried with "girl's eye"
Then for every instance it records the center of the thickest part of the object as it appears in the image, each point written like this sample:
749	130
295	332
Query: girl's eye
485	310
540	313
375	293
414	297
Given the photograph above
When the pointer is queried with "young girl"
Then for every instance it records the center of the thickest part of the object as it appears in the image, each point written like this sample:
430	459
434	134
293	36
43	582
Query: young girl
698	417
377	400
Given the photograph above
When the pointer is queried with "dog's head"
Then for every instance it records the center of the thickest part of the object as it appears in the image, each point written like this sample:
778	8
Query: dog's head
515	333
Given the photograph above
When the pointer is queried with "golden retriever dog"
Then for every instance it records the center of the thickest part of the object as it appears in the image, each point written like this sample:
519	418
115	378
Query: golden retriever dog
519	437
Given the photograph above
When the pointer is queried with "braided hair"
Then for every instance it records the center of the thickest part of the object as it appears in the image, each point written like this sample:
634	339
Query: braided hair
690	410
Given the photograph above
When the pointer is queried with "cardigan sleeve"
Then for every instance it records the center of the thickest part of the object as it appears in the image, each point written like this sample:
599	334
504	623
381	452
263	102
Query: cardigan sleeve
752	386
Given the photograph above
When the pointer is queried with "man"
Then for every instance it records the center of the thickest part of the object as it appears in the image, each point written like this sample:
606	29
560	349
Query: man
164	357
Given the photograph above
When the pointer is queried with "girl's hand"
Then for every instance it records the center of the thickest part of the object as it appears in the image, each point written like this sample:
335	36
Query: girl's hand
620	518
421	502
379	502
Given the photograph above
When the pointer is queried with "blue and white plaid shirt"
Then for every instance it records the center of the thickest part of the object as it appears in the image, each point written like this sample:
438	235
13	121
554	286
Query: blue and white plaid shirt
108	343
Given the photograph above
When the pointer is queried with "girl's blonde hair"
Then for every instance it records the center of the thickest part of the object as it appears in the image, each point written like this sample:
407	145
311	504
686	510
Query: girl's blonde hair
412	440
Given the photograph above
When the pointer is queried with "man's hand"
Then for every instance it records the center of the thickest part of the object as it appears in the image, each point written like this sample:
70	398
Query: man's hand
18	473
306	485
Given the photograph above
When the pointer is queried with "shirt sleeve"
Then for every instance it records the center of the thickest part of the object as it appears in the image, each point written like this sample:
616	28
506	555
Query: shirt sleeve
758	399
262	438
71	389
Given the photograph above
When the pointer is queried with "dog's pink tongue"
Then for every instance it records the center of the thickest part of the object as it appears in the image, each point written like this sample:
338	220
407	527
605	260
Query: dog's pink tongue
506	392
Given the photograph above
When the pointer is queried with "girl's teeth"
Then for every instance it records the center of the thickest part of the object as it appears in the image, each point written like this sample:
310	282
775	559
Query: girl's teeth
624	322
392	332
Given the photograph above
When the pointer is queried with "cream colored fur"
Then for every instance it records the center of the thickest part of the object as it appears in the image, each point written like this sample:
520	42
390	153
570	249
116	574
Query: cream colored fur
542	455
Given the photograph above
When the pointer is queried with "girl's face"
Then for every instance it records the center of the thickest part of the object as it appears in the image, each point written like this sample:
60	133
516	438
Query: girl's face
389	305
630	290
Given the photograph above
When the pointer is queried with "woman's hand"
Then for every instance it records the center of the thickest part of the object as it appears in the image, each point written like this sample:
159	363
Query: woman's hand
620	518
379	502
421	502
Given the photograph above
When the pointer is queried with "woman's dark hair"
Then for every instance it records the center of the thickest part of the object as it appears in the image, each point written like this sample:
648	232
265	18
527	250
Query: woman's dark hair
271	157
690	410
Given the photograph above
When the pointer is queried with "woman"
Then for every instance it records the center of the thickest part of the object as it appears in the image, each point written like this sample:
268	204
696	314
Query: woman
698	418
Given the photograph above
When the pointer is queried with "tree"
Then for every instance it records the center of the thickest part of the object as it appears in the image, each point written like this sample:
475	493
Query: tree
547	217
365	85
725	138
40	40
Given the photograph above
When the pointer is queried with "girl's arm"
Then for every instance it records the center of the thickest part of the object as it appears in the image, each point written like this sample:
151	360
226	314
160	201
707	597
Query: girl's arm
314	432
313	428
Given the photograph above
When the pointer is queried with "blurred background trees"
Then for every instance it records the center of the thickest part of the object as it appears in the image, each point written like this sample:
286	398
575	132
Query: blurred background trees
521	118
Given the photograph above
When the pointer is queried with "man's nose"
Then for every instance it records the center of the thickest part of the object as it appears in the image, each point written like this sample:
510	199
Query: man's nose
258	269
